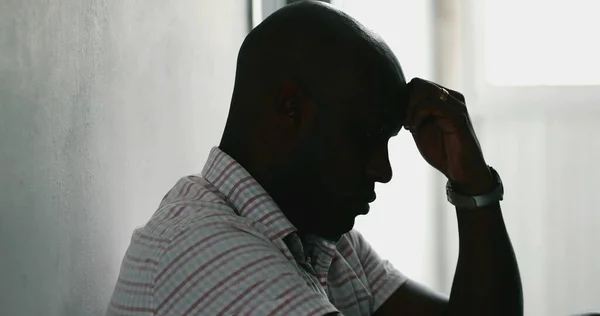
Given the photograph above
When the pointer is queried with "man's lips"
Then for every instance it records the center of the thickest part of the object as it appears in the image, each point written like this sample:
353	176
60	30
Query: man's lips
371	197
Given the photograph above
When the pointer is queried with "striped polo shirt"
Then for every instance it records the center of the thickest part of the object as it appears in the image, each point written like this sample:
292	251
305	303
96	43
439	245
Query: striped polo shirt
219	245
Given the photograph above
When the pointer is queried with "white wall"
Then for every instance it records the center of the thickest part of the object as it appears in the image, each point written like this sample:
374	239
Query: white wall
103	105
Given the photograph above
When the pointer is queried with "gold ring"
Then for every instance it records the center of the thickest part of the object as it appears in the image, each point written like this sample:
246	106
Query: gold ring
444	95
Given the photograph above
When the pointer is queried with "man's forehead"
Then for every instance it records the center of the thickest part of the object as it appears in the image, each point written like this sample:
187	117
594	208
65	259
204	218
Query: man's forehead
386	97
372	88
386	112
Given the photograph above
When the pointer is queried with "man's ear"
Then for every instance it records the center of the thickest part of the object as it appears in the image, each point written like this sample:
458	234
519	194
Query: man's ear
296	111
290	102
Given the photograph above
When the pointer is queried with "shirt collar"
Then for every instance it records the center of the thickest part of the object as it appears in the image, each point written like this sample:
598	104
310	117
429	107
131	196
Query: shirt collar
321	252
250	200
246	195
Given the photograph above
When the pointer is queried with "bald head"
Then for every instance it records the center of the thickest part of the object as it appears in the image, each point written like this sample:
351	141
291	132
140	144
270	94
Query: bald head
307	41
310	82
315	46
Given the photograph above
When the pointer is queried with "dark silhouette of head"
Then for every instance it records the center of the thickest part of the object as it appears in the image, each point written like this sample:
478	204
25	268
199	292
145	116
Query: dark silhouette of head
316	99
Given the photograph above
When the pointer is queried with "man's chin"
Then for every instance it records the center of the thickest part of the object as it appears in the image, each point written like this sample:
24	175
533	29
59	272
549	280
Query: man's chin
333	227
363	209
339	227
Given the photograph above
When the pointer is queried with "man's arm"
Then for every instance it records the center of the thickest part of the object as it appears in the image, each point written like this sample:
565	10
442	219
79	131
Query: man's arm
487	280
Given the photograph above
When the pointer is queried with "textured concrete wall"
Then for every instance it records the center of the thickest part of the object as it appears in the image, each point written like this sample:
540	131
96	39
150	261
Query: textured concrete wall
103	105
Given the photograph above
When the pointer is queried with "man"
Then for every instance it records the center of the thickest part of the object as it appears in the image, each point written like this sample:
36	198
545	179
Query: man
266	229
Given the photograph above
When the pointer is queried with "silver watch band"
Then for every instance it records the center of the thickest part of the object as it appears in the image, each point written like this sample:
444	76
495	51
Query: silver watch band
477	201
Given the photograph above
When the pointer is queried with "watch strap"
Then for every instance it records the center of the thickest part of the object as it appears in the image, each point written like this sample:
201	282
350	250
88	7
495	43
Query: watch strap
477	201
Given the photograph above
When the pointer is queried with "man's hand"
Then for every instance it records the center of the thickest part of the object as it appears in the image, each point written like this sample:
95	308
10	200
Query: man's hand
439	121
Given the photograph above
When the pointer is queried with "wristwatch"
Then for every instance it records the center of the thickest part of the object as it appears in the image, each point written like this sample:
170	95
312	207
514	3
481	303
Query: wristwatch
477	201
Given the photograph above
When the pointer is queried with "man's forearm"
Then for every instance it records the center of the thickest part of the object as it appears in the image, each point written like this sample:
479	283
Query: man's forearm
487	280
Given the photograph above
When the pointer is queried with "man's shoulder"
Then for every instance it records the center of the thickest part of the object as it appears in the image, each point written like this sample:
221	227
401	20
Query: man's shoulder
194	206
192	189
352	239
355	250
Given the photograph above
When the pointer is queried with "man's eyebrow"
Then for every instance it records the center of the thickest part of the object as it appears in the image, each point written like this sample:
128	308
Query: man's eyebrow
390	128
394	131
391	119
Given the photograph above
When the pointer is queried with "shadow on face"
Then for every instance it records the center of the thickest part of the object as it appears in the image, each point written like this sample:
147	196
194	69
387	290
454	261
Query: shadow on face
314	108
337	150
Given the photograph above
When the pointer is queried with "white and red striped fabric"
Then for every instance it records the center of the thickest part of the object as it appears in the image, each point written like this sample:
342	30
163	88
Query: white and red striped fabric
219	245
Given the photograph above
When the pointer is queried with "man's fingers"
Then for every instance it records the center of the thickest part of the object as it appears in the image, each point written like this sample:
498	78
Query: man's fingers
432	106
434	110
422	88
426	92
420	91
457	95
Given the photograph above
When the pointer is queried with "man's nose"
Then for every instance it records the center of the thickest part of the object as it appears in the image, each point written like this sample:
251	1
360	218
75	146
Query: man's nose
379	168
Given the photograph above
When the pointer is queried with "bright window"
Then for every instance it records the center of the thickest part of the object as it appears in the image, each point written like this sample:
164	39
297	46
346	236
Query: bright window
541	42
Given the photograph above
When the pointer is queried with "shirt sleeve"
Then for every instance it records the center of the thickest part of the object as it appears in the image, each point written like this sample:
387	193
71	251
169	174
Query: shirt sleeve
225	269
382	277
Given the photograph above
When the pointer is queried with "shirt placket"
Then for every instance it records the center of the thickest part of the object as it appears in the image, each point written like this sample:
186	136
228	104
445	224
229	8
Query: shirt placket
305	262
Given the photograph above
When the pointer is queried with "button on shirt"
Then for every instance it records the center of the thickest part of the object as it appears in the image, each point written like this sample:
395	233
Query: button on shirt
219	245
